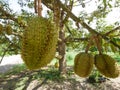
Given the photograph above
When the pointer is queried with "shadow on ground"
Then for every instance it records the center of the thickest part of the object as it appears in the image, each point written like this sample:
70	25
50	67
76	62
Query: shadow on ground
49	79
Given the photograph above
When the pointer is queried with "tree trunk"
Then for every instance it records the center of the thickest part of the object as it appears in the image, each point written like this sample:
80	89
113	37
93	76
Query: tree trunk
58	18
62	50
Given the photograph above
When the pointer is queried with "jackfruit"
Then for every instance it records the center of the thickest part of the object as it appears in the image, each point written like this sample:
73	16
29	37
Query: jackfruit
8	29
83	64
39	42
106	65
1	28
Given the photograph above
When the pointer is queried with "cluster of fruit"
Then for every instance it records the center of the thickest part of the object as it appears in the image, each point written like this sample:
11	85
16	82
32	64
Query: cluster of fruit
106	65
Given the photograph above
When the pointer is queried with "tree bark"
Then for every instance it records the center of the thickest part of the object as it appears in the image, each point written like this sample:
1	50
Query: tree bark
61	45
61	51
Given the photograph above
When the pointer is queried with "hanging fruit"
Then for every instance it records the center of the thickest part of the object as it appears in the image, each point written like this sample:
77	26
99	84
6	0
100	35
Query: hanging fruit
39	42
83	64
1	28
8	29
106	65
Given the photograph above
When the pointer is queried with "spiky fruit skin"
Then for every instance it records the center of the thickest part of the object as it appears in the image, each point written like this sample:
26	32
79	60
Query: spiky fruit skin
39	42
8	29
83	64
1	28
106	65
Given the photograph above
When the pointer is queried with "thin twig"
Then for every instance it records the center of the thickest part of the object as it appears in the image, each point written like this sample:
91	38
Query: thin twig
8	15
70	6
71	39
68	29
4	53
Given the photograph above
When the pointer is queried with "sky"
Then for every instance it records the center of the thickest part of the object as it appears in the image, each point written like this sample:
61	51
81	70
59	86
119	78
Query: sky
90	7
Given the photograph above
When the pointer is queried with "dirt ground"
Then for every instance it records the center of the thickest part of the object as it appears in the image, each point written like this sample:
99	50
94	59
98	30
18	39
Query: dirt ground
49	79
46	79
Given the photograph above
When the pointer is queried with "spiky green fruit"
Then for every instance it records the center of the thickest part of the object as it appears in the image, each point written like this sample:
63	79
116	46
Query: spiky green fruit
39	42
1	28
83	64
106	65
8	29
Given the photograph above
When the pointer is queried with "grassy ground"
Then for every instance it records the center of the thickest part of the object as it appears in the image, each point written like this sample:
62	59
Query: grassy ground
48	78
20	78
70	62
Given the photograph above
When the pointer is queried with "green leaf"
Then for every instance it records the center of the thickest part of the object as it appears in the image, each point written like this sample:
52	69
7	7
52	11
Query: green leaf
109	5
113	48
106	47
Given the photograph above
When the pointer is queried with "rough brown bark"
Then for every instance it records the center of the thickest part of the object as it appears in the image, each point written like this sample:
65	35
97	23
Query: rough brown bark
61	50
58	17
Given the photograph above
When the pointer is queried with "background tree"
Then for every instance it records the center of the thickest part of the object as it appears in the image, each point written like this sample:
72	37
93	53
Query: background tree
74	31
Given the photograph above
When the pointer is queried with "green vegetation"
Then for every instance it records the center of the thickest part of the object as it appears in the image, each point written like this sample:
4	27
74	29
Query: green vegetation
19	77
70	62
88	31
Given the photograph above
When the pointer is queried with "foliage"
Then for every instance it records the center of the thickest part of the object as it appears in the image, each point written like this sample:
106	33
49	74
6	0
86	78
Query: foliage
70	57
79	29
97	17
96	77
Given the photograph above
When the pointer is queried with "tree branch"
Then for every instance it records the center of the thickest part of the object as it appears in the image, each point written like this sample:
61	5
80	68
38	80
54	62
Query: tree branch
115	29
69	39
91	30
7	15
68	29
48	3
5	53
70	6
